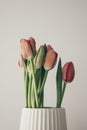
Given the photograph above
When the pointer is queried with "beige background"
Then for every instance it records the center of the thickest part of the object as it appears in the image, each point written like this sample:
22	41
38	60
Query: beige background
63	23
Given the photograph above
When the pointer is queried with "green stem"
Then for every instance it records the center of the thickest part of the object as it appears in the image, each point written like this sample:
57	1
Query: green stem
41	91
63	91
43	82
35	86
26	87
32	97
42	100
29	90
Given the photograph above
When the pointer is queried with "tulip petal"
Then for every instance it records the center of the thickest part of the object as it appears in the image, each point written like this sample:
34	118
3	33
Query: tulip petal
26	49
50	59
68	72
32	42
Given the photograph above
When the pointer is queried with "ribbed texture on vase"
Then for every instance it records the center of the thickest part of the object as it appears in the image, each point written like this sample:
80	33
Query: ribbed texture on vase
43	119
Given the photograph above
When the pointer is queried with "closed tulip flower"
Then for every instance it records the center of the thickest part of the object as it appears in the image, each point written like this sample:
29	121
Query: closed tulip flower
20	62
33	44
68	72
39	58
50	60
28	48
49	47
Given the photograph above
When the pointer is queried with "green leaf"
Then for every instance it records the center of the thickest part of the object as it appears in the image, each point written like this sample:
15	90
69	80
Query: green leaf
63	90
42	69
42	74
59	83
45	47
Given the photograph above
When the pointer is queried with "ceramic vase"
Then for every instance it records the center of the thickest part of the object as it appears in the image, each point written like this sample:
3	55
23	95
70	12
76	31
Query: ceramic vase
43	119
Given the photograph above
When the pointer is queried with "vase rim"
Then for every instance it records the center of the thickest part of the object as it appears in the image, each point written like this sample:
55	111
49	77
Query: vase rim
44	108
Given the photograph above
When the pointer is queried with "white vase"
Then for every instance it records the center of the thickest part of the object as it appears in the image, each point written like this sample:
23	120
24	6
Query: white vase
43	119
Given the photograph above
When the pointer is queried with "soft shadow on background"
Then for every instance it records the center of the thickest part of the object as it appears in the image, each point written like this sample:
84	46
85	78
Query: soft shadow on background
60	23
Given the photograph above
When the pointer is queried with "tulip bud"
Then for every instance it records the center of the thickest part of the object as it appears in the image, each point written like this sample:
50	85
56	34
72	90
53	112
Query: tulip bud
39	58
20	62
68	72
49	47
33	44
50	60
26	49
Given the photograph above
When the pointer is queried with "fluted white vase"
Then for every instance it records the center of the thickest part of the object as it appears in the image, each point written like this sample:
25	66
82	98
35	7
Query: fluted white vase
43	119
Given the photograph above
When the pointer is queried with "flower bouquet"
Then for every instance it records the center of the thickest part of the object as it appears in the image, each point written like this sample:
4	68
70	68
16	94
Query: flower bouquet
36	65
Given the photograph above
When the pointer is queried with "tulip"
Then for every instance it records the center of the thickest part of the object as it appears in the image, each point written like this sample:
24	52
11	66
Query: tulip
28	48
49	47
50	60
40	56
20	62
33	44
68	72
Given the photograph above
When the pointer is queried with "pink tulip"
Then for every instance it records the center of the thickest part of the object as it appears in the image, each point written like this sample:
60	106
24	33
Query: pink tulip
28	48
20	62
33	44
49	47
68	72
50	60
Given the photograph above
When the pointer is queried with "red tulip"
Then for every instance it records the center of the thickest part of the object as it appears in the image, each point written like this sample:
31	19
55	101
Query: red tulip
50	60
28	48
68	72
